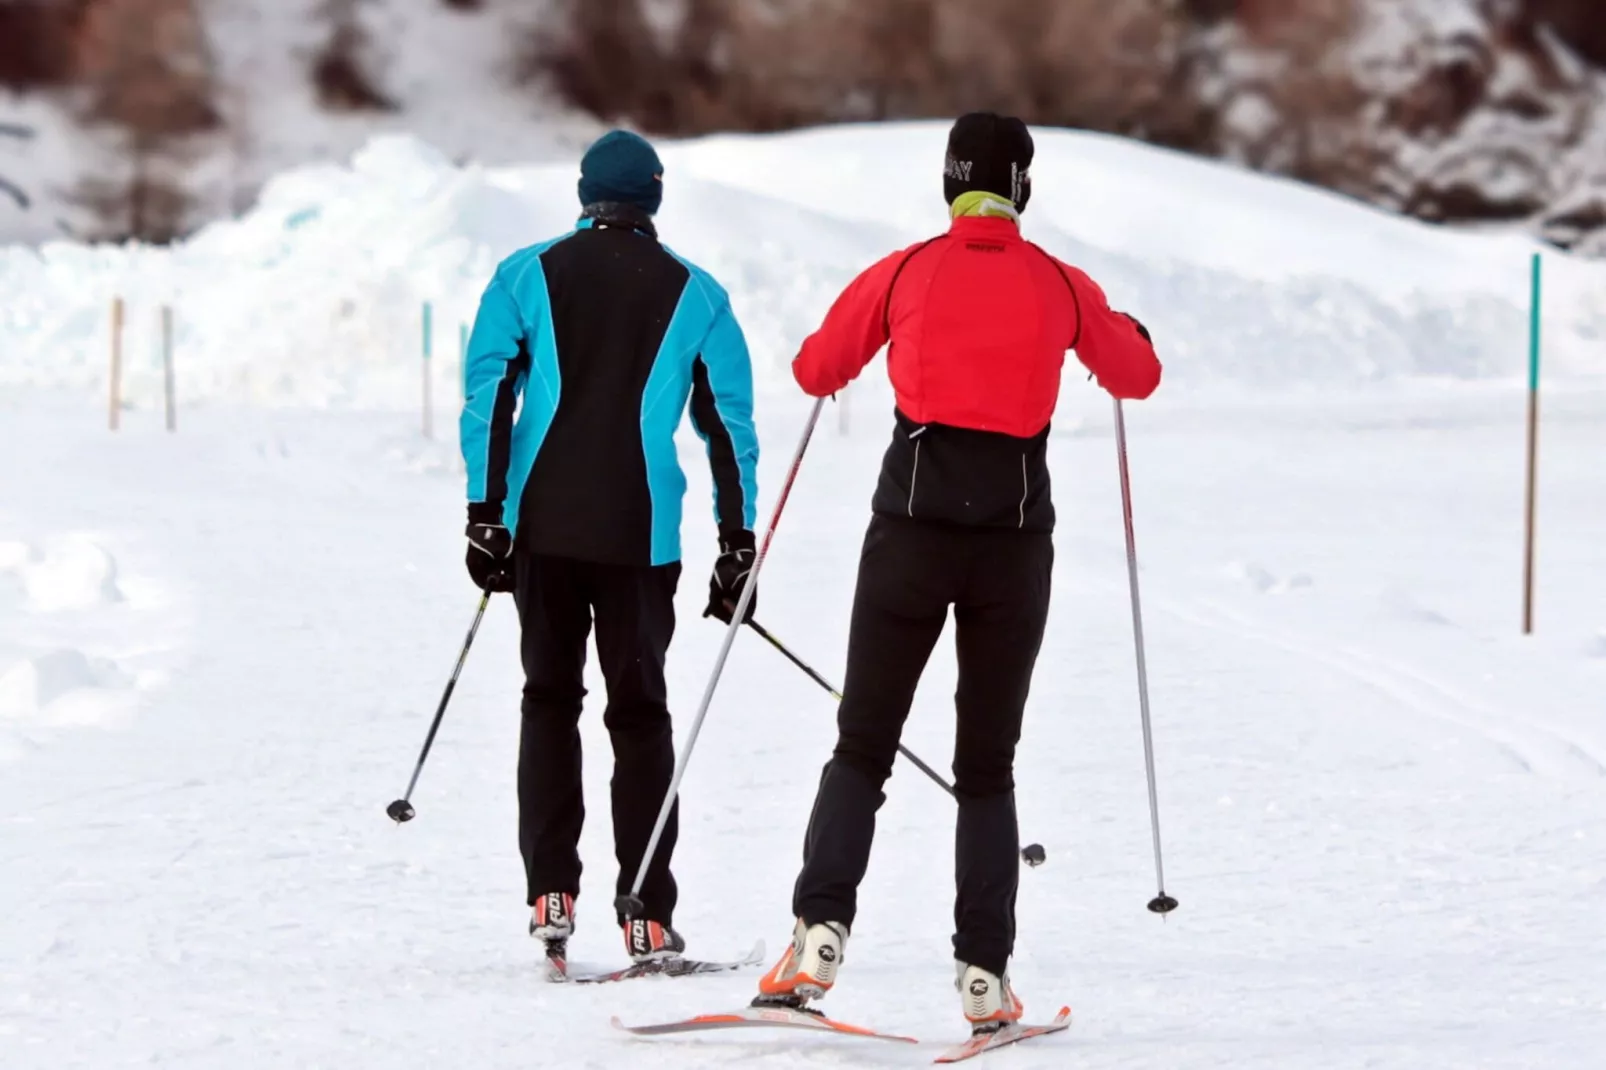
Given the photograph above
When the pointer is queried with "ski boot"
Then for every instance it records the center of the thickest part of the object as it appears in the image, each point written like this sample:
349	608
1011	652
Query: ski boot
989	1001
808	969
552	923
651	941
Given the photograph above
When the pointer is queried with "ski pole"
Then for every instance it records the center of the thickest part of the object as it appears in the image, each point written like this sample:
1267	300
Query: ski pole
1162	903
402	809
630	906
1033	853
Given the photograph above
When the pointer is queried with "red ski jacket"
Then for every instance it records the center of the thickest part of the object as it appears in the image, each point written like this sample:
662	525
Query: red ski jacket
979	321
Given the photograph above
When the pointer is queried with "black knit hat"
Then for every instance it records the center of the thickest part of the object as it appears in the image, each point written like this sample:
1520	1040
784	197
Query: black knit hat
989	152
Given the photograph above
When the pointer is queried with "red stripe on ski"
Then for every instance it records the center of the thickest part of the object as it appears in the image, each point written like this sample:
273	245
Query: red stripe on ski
760	1018
1010	1034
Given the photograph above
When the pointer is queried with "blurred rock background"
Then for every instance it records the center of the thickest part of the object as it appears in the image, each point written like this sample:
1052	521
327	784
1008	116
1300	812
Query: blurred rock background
150	117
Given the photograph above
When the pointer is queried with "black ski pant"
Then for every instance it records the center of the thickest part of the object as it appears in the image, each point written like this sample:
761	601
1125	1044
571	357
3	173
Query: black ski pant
634	609
910	573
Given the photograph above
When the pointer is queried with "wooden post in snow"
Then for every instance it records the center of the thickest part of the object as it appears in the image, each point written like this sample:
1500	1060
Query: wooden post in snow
429	420
115	389
1532	509
168	391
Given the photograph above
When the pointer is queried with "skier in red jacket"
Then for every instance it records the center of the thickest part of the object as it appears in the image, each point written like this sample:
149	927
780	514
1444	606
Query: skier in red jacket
978	321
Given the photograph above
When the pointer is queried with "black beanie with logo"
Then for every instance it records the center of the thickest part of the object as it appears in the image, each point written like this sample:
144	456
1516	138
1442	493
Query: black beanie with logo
992	153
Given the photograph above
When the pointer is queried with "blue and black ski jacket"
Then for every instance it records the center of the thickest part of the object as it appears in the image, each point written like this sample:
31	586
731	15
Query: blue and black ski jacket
604	335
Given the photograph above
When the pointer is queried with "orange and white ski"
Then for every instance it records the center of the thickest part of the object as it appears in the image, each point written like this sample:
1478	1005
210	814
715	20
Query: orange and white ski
761	1018
1003	1038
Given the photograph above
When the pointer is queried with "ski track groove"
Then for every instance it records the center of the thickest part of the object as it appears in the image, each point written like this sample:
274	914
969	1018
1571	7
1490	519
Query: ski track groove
1404	686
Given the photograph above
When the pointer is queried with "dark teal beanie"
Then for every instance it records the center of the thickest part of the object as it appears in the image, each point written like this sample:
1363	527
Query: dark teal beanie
621	167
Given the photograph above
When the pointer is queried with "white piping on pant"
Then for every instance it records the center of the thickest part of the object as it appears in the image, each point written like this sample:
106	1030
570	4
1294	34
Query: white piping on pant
1024	490
914	475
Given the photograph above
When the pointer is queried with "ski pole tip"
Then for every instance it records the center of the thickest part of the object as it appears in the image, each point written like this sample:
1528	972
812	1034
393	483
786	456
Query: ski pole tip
400	811
1034	855
1163	904
628	906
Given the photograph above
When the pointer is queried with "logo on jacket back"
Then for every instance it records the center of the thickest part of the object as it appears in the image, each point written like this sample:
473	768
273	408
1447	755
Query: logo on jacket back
958	169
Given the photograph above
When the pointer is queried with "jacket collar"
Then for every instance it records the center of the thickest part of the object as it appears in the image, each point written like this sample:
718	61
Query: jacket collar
615	214
994	228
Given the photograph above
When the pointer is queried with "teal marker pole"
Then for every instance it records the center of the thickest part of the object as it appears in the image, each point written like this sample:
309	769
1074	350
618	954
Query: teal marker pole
429	334
1533	448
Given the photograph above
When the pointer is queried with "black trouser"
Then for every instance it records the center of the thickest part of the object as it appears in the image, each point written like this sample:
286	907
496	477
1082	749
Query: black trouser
909	574
635	616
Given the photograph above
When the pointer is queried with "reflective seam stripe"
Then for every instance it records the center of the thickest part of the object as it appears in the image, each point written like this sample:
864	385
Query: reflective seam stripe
1025	488
914	475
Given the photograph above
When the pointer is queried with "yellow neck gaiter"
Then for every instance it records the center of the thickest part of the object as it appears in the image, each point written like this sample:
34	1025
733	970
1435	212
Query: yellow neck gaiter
982	203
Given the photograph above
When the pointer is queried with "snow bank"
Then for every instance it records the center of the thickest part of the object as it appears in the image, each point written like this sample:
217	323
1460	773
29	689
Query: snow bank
69	625
36	685
68	573
314	296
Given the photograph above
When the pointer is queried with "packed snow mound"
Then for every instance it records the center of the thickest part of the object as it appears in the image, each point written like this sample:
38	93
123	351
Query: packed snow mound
69	573
316	295
54	683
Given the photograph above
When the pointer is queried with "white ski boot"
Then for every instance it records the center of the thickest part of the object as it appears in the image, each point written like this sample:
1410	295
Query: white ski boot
989	1000
808	969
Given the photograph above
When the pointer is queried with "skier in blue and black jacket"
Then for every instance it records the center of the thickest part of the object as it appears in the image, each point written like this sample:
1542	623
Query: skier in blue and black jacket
575	507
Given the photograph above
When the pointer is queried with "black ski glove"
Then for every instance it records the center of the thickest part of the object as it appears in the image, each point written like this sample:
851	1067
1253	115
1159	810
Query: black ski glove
731	571
490	549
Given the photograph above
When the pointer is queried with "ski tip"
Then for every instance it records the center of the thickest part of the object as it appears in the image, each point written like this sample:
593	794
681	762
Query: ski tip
755	957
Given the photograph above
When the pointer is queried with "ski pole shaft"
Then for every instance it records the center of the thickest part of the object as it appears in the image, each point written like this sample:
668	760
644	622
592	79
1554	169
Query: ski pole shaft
1033	853
1162	903
935	776
402	809
630	905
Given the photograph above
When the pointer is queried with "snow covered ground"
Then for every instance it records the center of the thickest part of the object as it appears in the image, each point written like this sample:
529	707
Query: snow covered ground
1384	810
